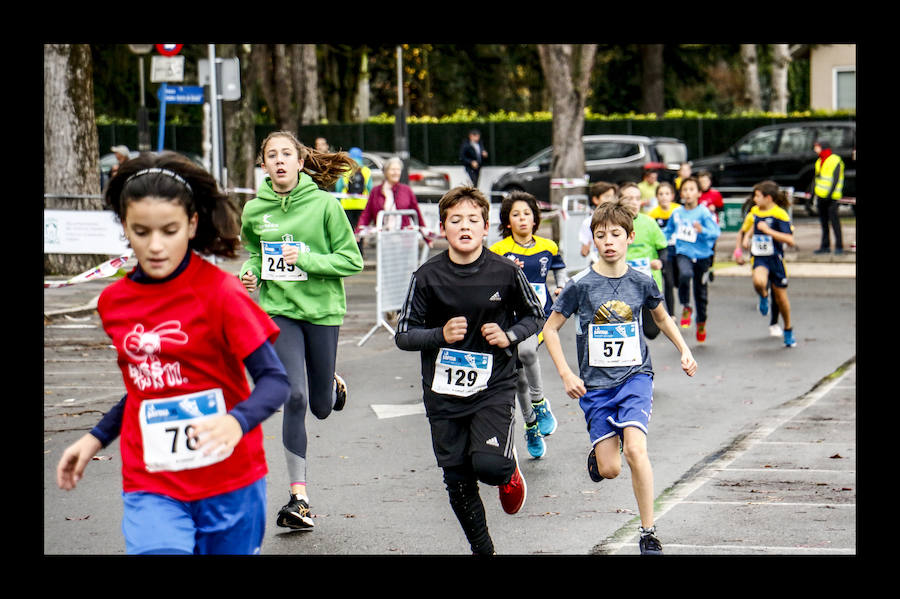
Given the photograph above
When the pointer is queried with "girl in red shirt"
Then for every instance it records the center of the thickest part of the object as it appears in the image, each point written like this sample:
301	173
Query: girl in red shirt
193	465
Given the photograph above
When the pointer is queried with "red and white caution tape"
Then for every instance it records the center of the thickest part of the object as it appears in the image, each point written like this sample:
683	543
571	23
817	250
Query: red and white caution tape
107	269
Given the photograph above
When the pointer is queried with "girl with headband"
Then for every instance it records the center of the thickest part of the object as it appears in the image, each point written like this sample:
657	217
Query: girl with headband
193	466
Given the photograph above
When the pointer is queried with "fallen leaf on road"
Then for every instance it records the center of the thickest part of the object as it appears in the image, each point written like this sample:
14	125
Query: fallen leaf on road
81	518
836	456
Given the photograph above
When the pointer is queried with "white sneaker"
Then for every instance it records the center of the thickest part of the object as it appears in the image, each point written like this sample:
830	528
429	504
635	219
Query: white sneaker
775	331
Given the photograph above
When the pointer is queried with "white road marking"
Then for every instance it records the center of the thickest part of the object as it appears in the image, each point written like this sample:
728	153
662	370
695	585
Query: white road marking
395	410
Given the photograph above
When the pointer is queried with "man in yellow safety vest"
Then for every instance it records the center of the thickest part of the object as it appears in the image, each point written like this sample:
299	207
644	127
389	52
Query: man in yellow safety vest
828	188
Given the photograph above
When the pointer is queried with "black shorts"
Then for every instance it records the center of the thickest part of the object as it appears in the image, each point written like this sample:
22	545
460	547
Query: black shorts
488	429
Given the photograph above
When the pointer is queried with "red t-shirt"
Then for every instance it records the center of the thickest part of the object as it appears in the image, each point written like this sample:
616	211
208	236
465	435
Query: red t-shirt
712	199
183	336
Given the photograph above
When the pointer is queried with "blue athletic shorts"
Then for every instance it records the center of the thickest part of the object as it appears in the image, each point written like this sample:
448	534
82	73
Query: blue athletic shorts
608	411
228	524
775	266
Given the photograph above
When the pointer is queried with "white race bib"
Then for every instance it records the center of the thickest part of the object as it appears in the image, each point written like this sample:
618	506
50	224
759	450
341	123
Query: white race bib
541	290
615	344
641	265
274	267
461	373
686	232
762	245
165	424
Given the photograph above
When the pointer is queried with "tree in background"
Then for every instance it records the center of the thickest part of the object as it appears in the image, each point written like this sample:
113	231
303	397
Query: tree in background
567	69
71	160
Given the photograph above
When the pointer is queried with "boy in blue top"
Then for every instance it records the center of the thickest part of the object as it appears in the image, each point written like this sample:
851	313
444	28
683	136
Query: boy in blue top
695	232
615	381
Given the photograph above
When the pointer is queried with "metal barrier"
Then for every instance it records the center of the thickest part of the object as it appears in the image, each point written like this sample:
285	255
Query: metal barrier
397	258
575	208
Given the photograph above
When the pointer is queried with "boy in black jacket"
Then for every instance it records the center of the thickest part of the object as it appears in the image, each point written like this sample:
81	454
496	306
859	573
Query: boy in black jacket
465	311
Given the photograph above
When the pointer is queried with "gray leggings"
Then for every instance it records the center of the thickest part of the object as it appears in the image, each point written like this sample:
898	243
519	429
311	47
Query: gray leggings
308	352
529	384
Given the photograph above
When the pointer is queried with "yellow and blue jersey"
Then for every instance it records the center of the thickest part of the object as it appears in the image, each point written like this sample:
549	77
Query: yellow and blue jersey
538	261
765	245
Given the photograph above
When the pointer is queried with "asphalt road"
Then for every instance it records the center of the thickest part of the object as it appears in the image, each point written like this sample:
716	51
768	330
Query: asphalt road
756	454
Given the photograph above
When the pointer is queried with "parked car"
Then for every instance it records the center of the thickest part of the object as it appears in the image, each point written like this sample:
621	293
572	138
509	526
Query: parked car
613	158
428	184
108	160
784	153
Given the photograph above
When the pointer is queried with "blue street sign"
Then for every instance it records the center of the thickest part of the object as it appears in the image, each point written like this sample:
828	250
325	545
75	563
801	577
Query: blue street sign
181	94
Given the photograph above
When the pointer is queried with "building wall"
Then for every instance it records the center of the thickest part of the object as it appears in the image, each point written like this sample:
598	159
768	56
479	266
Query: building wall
824	60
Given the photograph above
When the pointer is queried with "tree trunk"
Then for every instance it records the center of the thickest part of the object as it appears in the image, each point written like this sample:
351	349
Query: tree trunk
283	87
652	96
362	95
306	83
71	146
752	97
567	70
239	125
780	64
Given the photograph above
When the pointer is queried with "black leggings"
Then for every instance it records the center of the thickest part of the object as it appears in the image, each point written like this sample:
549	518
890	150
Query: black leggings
462	487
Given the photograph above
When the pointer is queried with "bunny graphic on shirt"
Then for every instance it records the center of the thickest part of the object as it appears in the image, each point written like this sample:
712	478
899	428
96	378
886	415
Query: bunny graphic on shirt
143	347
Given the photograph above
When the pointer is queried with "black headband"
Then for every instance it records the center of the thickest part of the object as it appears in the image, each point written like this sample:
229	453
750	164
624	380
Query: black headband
161	171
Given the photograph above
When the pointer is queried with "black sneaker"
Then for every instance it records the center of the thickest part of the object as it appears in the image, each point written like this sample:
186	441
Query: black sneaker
340	393
593	469
295	514
649	544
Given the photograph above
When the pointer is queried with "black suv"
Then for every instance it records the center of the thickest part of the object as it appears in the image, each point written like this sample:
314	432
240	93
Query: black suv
613	158
783	153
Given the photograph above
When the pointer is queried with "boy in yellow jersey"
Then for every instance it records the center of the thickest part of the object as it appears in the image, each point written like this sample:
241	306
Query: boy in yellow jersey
766	229
537	256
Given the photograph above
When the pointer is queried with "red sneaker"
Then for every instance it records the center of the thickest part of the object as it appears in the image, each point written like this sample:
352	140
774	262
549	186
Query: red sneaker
686	317
701	332
512	494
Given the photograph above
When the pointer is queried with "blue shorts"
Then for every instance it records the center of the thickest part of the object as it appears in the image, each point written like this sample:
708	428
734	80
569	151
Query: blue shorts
775	266
609	411
228	524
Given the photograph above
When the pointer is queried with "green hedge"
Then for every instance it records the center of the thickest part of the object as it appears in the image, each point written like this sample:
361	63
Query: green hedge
507	141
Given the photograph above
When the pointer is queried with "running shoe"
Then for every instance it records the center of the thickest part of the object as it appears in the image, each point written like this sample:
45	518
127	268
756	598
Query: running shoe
701	332
340	393
593	469
775	331
763	305
295	514
686	317
546	419
535	441
789	338
649	544
513	493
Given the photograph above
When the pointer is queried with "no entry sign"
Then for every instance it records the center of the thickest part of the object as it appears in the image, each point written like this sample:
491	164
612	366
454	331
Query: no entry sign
168	49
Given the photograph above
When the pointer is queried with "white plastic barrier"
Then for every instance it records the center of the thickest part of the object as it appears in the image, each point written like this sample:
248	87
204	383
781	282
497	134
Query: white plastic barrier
575	208
397	258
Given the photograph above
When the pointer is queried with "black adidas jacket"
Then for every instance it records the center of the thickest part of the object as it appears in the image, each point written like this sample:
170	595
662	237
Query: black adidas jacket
491	289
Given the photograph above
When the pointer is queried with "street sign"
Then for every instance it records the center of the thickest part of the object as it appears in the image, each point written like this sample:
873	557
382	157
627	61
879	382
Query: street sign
229	84
181	94
166	69
168	49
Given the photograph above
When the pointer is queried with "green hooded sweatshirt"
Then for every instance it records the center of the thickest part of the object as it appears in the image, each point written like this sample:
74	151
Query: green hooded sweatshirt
314	217
648	240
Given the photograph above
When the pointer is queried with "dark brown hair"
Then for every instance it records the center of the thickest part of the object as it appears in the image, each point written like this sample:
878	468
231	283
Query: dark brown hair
506	208
460	194
175	178
613	212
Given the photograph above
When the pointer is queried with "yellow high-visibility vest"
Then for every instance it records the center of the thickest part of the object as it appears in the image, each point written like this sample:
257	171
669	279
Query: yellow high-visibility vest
825	176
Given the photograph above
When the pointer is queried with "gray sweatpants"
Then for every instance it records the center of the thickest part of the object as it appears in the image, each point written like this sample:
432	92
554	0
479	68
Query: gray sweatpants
308	352
529	384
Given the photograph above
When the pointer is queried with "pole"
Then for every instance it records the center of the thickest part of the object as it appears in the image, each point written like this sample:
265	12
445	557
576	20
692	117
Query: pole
214	113
160	138
401	134
143	125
